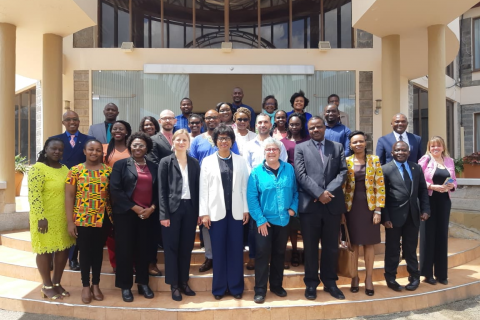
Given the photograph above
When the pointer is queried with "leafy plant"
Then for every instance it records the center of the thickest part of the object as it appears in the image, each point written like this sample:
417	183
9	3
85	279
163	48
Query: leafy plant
21	164
458	165
473	159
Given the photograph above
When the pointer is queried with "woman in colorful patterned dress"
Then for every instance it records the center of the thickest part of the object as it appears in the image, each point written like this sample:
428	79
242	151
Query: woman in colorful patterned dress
48	224
88	211
364	198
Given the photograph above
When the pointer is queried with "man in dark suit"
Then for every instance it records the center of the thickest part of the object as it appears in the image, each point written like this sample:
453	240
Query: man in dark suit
406	203
162	144
320	169
384	145
101	131
73	141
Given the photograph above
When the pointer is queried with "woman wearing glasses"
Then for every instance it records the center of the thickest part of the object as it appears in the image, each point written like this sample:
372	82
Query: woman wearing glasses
226	111
134	192
224	211
242	134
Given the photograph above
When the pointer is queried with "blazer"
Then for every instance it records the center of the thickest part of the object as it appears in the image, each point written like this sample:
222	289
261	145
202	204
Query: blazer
99	132
373	183
429	165
161	148
399	202
73	156
123	181
315	176
385	143
171	184
212	202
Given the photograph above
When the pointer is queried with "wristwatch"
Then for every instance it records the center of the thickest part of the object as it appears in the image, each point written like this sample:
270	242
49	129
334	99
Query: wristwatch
378	212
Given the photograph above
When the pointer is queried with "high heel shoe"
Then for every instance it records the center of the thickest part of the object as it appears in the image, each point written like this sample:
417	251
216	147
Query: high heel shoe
65	293
355	288
44	295
369	292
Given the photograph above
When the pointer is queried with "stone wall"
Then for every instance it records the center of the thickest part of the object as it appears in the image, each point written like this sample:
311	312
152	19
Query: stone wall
365	84
465	210
466	54
38	118
364	39
410	107
467	111
81	85
85	38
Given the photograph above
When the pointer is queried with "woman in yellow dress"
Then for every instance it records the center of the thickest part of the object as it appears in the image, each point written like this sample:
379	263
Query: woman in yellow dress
48	223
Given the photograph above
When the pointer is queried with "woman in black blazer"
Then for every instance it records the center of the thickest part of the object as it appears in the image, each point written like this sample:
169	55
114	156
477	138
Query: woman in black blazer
179	176
134	193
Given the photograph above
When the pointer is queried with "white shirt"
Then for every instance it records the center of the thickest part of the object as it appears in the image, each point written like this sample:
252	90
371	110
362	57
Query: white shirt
254	154
404	137
242	140
185	186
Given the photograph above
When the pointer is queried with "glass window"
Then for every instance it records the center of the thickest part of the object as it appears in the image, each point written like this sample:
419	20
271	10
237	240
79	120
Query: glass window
146	33
331	27
33	125
108	26
420	114
450	140
24	124
176	38
476	125
17	124
157	33
476	44
346	25
123	27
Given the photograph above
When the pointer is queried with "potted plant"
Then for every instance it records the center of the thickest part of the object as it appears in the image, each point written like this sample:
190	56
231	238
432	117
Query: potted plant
20	170
471	165
458	167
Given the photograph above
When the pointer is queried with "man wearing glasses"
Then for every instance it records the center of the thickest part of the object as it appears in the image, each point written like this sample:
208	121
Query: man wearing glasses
162	141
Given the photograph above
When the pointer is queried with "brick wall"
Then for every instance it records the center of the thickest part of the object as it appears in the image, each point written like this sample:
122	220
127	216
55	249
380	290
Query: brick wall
81	85
365	83
364	39
466	53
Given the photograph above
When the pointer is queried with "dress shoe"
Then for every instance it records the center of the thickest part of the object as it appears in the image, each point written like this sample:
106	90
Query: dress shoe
86	295
74	265
96	293
430	280
311	293
354	287
258	298
207	265
334	292
279	292
184	288
238	296
369	292
176	295
127	295
146	291
251	264
218	296
444	281
392	284
413	285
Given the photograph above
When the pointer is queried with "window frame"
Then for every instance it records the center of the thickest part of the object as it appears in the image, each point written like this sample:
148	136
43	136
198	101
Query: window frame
473	45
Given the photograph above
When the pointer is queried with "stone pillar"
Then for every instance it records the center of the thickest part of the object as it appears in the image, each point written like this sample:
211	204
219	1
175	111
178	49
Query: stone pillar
52	85
7	115
437	114
390	80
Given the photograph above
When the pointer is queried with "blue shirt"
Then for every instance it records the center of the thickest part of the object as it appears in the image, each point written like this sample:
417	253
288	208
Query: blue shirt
307	117
339	133
69	136
182	123
253	115
270	197
399	166
201	148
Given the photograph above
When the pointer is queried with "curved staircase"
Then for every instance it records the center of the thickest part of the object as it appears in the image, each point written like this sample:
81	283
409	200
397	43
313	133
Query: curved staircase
20	290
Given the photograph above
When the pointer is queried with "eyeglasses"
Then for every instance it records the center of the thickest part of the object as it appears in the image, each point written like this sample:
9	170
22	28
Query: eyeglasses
71	120
167	119
138	146
242	119
211	118
268	150
195	123
224	139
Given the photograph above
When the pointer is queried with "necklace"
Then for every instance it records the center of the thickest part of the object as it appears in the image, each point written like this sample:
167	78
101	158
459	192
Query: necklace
140	166
209	139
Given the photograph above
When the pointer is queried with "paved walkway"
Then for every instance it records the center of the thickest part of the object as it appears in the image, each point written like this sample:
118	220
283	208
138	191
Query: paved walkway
468	309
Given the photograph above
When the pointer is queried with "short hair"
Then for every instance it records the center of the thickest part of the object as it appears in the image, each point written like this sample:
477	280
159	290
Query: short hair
243	110
223	129
400	141
271	140
437	140
356	133
299	94
271	96
151	119
195	115
333	96
94	140
42	155
262	115
303	121
142	136
232	108
316	118
186	98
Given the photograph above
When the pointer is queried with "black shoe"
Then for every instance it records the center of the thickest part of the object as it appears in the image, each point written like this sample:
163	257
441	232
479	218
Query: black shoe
430	280
354	289
279	292
413	285
444	281
238	296
258	298
127	295
369	292
74	265
184	288
334	292
392	284
311	293
176	295
146	291
218	296
207	265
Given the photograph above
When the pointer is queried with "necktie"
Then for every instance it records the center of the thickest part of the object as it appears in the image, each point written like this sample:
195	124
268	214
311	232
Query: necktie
320	151
400	137
406	178
109	134
72	140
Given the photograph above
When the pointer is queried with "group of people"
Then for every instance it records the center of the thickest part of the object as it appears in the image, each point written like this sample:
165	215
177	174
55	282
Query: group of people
243	185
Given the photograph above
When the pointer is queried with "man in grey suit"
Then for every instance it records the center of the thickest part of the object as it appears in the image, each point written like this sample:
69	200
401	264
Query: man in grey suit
162	141
101	131
321	170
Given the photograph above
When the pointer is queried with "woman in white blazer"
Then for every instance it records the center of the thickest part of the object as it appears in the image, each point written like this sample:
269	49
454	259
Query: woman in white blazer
224	211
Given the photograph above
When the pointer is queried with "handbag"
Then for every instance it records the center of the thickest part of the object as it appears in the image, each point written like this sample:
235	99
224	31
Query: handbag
347	264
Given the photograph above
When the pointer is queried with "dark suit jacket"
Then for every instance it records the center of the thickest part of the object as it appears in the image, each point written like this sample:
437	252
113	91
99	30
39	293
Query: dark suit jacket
385	143
123	181
398	202
99	132
73	156
171	183
314	178
161	148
